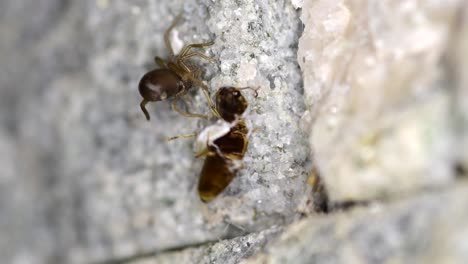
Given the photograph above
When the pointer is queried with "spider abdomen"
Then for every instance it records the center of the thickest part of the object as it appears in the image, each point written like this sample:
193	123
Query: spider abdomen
161	84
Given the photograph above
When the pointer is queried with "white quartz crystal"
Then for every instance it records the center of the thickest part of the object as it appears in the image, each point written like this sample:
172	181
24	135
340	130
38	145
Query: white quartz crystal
378	103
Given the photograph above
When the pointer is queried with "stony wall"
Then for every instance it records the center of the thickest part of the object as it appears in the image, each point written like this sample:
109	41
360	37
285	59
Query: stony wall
358	151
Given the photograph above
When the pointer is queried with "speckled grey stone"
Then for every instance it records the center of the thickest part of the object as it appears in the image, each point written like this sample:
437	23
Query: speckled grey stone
457	64
227	251
140	190
103	182
428	228
85	178
40	41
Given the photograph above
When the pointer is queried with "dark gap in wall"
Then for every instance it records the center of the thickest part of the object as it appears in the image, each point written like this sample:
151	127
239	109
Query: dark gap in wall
460	170
320	199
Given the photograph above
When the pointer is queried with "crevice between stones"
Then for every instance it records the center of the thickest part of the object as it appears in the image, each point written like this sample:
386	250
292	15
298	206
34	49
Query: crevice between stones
153	253
330	209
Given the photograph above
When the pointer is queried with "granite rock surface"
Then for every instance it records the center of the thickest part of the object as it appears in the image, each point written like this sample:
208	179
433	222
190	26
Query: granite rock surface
370	96
95	180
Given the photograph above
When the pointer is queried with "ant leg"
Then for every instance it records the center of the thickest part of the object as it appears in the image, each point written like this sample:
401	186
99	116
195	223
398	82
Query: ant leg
182	136
185	113
187	48
167	34
162	63
143	108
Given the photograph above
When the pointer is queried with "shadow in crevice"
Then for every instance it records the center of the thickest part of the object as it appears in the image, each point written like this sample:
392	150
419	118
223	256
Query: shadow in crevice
320	198
460	171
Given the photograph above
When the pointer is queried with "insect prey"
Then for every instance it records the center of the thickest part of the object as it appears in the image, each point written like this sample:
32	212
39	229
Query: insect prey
224	144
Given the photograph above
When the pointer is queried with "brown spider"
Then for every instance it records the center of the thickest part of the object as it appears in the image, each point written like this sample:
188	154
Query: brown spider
174	79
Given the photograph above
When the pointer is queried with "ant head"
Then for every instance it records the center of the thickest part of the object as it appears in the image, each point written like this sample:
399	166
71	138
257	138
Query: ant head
230	103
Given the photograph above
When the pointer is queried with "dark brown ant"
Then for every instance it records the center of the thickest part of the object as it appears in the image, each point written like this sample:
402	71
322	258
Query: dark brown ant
174	78
224	144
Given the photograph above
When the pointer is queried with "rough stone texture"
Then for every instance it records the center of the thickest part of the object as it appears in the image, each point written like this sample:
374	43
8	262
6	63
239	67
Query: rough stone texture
84	178
429	228
458	65
37	45
377	95
140	190
227	251
88	178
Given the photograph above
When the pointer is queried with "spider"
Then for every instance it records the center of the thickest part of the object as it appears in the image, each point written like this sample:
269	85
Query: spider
174	78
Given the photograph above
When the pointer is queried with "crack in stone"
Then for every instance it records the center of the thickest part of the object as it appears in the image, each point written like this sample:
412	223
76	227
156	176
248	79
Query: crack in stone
336	207
154	253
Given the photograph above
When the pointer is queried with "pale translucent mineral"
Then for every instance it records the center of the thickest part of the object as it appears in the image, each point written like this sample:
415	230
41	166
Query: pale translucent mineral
378	103
458	67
